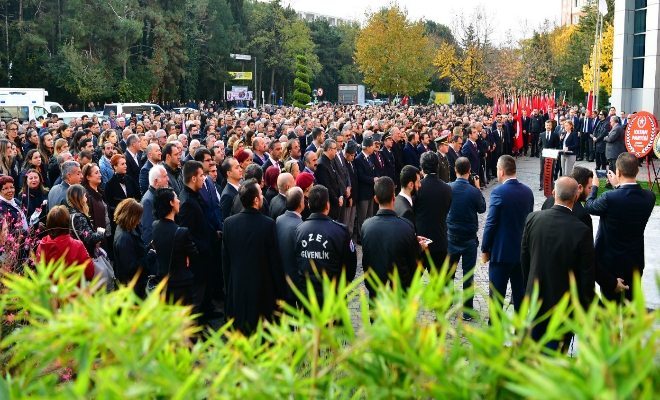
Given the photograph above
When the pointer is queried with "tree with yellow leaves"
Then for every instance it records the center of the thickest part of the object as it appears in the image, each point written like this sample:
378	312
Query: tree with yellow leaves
464	66
394	54
606	50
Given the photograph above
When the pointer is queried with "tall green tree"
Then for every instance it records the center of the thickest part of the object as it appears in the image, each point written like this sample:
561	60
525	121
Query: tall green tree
394	54
302	90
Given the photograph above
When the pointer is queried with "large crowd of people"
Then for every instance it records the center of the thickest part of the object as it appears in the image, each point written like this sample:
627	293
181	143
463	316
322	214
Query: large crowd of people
230	205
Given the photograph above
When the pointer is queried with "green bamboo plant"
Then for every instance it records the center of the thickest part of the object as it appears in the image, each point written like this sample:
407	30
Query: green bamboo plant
62	339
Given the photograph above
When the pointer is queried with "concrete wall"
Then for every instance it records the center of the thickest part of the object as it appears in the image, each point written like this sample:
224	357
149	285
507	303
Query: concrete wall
624	97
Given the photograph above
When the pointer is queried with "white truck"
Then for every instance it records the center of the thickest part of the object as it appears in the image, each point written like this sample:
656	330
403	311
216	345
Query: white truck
26	104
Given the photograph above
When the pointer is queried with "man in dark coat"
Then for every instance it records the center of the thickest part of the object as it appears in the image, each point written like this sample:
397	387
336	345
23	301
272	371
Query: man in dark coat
410	183
233	172
277	205
382	252
323	245
193	215
366	176
471	150
431	208
254	276
555	245
286	225
132	157
624	213
327	175
615	142
410	154
584	178
387	155
443	160
453	153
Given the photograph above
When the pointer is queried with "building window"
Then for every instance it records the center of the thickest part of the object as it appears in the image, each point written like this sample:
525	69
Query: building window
639	44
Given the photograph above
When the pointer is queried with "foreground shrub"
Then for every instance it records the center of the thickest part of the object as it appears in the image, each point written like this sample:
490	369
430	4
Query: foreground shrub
63	340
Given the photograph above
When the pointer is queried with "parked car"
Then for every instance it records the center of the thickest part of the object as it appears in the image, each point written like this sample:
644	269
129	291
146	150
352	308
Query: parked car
131	108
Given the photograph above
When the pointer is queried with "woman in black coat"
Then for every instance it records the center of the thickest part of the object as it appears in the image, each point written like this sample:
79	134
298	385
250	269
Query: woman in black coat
129	250
120	186
34	196
173	246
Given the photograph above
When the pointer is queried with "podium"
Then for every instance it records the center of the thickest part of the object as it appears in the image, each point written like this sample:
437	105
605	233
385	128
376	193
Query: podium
550	157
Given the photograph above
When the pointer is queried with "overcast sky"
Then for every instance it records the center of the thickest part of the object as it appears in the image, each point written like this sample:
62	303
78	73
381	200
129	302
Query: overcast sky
515	17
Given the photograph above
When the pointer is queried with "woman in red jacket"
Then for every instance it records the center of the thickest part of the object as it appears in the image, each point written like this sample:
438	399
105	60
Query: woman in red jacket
59	243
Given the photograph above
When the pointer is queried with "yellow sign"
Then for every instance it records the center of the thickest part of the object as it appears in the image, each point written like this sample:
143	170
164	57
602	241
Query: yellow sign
241	76
443	98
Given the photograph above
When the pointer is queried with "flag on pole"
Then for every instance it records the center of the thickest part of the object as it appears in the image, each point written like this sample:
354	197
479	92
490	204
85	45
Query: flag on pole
590	103
518	139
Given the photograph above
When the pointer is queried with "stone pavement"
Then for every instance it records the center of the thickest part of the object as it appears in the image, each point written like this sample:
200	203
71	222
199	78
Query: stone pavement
528	173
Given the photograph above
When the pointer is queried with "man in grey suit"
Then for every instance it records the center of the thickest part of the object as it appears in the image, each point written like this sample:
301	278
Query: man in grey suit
285	226
615	144
410	183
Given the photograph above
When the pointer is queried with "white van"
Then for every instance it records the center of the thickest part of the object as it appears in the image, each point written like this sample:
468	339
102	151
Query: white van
131	108
20	110
53	107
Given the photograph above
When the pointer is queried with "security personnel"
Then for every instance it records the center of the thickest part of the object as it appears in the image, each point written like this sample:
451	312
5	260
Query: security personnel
443	160
323	244
382	251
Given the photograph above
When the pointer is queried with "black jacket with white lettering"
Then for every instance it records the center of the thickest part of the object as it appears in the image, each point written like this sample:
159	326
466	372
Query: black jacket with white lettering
324	244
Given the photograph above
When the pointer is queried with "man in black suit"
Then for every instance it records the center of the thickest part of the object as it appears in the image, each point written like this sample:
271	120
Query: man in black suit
410	183
535	128
555	245
366	176
584	178
192	215
453	153
410	154
348	158
547	140
471	150
431	208
624	213
327	175
251	262
133	157
525	132
277	205
233	173
153	158
274	156
382	251
387	155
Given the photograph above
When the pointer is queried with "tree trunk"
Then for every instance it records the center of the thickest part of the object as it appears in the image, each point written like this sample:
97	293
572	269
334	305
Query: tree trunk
272	81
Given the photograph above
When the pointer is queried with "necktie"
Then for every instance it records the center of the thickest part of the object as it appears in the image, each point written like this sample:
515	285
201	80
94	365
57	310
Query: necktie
547	136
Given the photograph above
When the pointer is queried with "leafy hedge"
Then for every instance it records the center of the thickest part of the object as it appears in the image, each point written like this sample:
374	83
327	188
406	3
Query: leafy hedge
302	90
63	340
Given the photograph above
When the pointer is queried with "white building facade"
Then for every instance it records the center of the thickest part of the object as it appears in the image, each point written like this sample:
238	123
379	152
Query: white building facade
635	74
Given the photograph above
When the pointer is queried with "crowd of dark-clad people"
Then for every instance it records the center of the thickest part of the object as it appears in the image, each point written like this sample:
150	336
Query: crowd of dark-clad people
229	205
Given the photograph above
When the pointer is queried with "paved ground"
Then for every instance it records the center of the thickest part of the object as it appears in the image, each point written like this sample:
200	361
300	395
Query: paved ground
528	173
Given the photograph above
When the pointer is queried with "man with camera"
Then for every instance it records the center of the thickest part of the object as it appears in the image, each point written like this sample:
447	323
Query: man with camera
462	225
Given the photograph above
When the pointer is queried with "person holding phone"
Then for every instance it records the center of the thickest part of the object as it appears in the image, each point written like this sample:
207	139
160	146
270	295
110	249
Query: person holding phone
462	225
